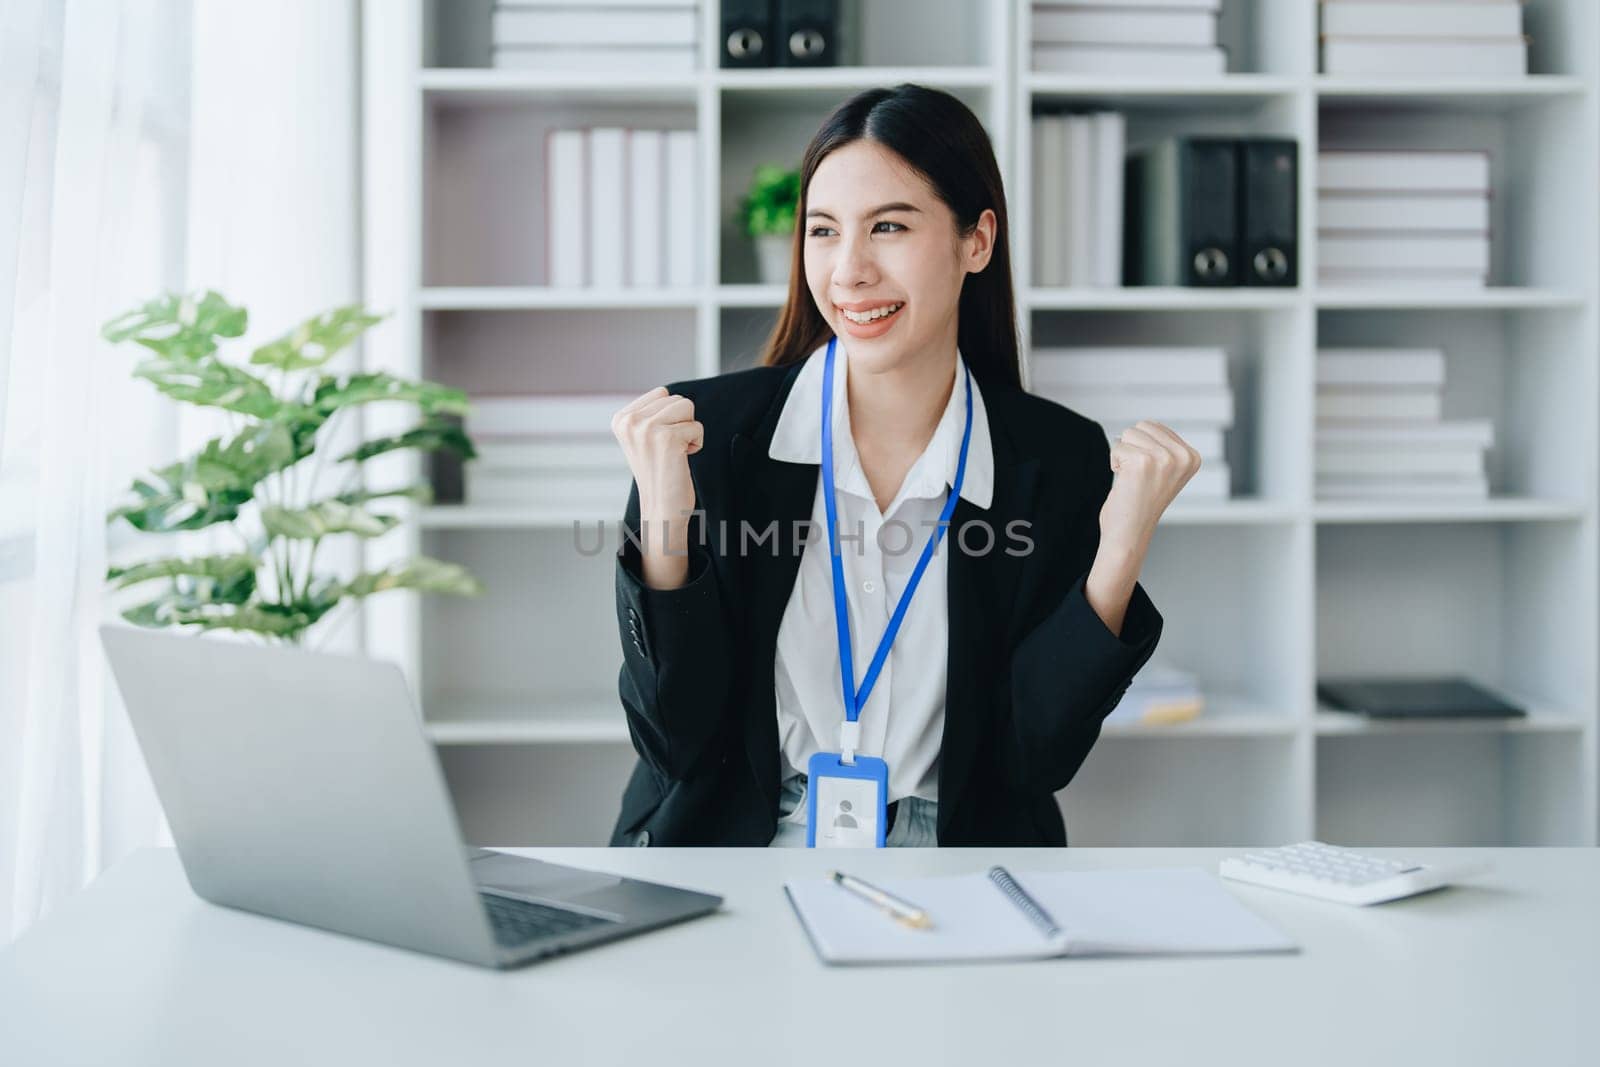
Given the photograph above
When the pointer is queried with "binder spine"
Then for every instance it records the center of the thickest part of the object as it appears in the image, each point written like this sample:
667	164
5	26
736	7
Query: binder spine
1207	184
747	33
1269	212
807	33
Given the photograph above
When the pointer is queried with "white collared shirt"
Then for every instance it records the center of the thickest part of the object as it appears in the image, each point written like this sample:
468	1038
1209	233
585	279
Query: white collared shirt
903	718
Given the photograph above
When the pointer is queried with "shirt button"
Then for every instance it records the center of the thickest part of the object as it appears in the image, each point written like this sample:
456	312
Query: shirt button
869	587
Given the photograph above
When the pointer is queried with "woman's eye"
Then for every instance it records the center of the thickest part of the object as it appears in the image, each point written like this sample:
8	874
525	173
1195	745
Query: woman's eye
827	231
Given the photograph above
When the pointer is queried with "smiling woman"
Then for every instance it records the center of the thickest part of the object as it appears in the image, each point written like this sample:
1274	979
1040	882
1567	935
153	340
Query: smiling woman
880	492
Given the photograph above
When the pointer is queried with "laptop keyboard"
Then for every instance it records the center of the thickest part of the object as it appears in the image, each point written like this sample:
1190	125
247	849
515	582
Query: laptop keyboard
517	922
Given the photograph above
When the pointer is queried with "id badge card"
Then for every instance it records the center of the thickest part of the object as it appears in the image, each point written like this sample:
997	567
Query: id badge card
847	805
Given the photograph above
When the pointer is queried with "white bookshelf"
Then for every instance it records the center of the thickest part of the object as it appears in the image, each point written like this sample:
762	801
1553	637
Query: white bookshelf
1260	592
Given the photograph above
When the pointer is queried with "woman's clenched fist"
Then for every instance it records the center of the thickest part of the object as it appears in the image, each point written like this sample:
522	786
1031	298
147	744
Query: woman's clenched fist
1151	464
658	434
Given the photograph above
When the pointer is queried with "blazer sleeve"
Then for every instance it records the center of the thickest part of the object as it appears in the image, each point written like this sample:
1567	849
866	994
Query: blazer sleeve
1070	671
677	663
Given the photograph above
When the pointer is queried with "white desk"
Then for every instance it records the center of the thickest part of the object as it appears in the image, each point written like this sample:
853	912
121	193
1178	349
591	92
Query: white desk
137	970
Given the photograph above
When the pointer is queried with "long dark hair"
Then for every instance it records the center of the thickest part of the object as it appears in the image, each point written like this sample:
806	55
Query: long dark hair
943	140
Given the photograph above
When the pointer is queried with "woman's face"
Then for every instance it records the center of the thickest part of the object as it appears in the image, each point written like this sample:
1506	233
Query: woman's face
879	242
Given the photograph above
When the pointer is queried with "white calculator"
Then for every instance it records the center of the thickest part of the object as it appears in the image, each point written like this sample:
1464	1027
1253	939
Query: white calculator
1338	874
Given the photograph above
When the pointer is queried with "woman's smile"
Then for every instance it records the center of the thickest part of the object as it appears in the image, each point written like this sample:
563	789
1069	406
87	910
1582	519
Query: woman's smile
870	318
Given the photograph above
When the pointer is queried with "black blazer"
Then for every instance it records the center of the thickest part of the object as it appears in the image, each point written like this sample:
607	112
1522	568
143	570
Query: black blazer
1032	669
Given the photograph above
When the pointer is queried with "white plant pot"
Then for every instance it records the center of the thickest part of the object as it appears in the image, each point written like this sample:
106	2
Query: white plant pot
772	258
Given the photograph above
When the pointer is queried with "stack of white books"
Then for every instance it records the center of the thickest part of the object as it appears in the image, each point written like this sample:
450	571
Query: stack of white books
636	36
1172	38
1185	389
1403	217
621	207
556	453
1478	38
1381	434
1161	694
1078	191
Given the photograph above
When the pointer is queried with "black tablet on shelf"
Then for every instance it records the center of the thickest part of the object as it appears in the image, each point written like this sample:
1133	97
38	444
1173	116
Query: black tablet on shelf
1415	698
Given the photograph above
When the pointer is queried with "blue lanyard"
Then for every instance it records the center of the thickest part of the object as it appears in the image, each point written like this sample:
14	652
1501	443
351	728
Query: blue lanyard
855	699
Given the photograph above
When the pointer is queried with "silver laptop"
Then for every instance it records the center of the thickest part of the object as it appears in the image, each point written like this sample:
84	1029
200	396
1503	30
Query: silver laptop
301	786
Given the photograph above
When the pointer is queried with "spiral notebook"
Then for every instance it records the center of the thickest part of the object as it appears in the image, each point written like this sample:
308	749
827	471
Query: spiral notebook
1168	911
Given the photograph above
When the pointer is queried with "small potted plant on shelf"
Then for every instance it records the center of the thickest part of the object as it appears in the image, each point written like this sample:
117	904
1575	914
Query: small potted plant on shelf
262	478
768	213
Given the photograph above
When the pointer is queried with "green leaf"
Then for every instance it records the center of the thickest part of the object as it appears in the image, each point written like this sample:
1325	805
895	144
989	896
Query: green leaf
334	393
422	494
420	573
432	435
212	383
179	326
772	202
224	579
324	518
214	484
316	340
190	602
273	620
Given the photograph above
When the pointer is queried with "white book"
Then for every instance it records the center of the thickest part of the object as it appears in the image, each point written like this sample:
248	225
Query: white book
1122	60
1349	18
608	176
682	207
1374	463
1049	197
575	480
673	59
1362	404
1060	251
1427	211
1208	405
1134	26
586	413
1080	173
1211	482
1101	913
1396	171
1110	144
566	207
1385	279
1478	58
559	452
1112	367
1380	366
598	26
583	494
1206	440
1157	703
1467	488
1457	433
1344	251
1213	6
646	207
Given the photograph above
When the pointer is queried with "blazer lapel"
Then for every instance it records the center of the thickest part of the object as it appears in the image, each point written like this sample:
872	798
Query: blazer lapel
981	589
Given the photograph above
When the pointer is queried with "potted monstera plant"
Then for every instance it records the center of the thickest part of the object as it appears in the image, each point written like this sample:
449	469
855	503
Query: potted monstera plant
272	479
768	213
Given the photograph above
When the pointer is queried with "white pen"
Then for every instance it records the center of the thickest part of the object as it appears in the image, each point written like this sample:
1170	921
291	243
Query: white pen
901	911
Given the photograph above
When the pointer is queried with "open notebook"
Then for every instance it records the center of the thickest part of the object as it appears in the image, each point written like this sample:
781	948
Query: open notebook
1155	912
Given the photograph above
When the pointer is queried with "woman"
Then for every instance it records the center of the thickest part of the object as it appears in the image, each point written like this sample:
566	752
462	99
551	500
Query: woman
751	623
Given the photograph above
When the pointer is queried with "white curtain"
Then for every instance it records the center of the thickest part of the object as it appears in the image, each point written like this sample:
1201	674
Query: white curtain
145	146
93	114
